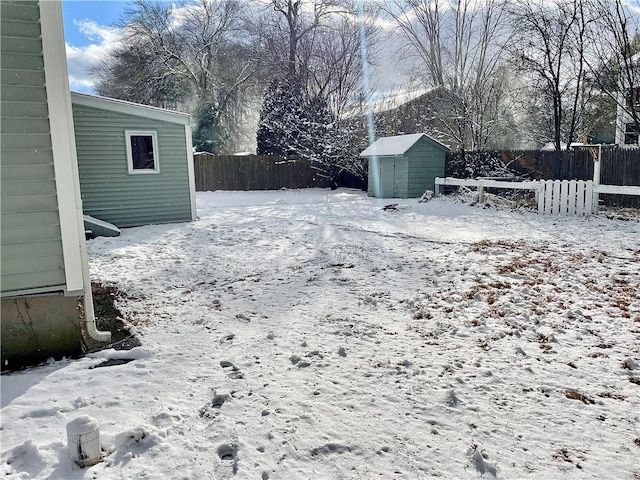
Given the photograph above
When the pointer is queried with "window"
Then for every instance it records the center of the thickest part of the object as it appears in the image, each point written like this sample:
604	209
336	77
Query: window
631	134
142	152
633	97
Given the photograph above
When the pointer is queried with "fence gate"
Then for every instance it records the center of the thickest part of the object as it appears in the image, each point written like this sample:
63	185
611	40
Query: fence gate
573	198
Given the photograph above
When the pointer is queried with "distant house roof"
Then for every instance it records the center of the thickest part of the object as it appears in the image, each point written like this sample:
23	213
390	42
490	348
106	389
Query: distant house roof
130	108
385	101
397	145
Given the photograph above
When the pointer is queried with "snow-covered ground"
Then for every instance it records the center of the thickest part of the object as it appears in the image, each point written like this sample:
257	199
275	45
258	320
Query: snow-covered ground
314	335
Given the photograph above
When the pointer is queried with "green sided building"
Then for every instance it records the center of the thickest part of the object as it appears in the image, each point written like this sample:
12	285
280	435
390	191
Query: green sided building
135	162
404	166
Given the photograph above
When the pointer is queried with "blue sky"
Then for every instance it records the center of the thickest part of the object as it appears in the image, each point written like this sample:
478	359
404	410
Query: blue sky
89	34
106	13
90	29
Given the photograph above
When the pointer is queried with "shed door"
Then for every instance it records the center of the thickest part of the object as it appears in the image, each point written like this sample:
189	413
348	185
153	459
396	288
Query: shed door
400	177
386	177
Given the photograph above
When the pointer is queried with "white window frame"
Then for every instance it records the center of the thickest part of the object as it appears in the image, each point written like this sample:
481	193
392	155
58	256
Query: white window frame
156	157
630	130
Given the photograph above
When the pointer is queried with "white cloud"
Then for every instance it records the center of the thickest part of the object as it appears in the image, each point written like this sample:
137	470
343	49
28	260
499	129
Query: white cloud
80	60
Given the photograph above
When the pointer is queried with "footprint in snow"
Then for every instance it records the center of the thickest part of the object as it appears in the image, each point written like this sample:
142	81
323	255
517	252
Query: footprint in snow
211	409
228	454
228	338
231	370
482	464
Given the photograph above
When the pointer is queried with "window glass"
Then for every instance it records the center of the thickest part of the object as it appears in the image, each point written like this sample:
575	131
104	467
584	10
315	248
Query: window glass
634	97
631	134
142	152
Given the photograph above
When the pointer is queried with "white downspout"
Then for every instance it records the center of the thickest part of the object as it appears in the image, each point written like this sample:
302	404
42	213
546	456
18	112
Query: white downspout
89	314
66	161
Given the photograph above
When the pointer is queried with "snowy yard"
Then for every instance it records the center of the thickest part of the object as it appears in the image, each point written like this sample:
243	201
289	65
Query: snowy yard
313	335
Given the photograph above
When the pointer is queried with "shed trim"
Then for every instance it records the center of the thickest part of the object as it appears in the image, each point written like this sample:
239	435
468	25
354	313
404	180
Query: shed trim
130	108
191	171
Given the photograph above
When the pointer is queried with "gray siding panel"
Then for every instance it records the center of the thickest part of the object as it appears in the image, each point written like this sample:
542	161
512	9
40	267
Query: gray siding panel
427	162
29	221
27	78
20	44
17	61
20	11
16	173
21	233
13	28
109	192
23	94
28	204
19	157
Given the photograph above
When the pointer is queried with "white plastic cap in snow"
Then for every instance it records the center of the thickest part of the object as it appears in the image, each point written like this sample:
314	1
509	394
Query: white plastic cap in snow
82	425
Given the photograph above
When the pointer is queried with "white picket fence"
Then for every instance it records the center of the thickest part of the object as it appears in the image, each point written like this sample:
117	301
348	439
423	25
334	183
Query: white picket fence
555	197
573	198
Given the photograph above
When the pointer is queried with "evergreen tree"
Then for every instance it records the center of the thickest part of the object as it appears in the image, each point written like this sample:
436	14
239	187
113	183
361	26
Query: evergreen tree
293	125
281	119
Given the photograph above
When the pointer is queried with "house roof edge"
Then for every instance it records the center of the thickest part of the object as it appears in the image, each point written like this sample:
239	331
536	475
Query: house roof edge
122	106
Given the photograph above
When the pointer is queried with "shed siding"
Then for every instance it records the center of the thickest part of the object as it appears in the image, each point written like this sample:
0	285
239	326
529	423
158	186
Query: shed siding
109	192
426	163
32	255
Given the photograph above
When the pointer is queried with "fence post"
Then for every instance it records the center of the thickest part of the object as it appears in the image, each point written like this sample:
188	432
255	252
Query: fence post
436	187
556	197
572	197
596	177
590	195
580	198
564	197
540	197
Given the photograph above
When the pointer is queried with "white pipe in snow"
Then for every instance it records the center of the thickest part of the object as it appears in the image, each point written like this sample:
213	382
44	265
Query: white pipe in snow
83	441
89	314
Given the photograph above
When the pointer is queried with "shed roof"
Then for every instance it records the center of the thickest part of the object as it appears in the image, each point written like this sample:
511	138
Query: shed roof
397	145
130	108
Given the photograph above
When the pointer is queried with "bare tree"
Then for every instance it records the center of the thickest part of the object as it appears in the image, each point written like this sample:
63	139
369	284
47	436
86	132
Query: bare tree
333	58
302	17
459	47
613	62
550	46
196	48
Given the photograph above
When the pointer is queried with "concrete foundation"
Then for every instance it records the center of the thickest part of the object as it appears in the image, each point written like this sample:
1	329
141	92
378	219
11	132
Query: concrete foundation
35	328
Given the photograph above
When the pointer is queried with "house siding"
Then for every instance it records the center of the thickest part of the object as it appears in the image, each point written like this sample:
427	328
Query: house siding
32	254
427	161
109	192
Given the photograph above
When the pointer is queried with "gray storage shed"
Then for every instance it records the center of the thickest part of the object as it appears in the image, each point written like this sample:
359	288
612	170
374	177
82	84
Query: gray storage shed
135	162
404	166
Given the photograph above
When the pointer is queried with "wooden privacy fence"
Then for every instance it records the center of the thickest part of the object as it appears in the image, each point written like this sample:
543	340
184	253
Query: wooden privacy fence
554	197
618	166
254	172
